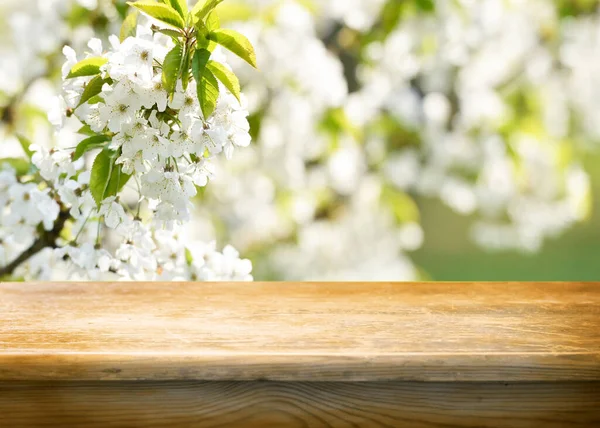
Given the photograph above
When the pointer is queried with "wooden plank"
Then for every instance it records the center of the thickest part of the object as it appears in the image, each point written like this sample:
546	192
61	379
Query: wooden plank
300	331
299	404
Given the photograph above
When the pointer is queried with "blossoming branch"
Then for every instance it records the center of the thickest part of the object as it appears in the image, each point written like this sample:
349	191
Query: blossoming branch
157	106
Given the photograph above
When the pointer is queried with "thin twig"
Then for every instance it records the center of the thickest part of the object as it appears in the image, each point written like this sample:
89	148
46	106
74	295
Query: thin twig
46	240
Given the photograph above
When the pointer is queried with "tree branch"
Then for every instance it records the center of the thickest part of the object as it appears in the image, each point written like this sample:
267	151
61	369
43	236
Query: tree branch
46	240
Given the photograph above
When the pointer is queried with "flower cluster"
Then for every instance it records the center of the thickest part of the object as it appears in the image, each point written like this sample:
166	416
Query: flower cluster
165	142
94	223
25	209
104	243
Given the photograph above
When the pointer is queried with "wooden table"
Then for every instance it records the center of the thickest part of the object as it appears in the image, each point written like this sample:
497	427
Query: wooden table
300	355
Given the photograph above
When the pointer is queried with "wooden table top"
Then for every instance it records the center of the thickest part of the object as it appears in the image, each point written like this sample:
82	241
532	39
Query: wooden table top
300	331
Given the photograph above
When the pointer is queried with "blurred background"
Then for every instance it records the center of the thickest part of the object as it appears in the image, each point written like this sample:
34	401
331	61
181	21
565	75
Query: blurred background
393	140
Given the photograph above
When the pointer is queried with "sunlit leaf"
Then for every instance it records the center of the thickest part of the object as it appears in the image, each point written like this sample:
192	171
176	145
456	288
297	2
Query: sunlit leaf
202	9
162	12
94	142
212	21
180	6
207	86
227	77
93	88
107	178
402	206
172	68
167	31
25	143
236	43
20	165
128	28
87	67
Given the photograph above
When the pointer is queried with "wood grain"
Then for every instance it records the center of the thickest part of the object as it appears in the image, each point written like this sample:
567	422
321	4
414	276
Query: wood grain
300	331
299	404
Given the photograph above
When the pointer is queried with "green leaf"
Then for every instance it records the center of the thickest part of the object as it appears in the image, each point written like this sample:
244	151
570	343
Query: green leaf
207	86
88	144
25	143
20	165
426	5
128	28
212	21
86	130
161	12
402	205
189	259
227	77
186	70
208	93
199	63
107	178
201	35
236	43
172	67
172	33
93	88
87	67
200	10
180	6
335	122
95	100
9	278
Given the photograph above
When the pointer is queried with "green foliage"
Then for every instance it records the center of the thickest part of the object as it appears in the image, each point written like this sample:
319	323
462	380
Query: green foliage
189	259
186	71
79	16
93	88
87	67
255	121
93	142
397	135
226	76
236	43
425	5
402	206
20	165
174	34
122	9
128	28
576	7
212	21
393	11
201	10
86	130
198	32
107	178
199	63
161	12
208	92
25	143
335	122
180	6
202	40
207	86
172	68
